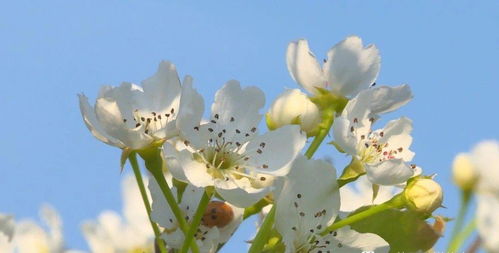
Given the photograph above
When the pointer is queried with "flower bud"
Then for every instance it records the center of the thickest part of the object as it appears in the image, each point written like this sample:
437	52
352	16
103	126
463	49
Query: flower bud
293	107
423	195
464	172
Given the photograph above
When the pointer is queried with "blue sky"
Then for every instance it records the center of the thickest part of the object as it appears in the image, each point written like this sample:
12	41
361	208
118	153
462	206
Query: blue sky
52	50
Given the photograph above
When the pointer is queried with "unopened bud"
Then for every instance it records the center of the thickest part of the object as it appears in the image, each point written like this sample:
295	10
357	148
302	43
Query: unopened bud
293	107
423	195
464	173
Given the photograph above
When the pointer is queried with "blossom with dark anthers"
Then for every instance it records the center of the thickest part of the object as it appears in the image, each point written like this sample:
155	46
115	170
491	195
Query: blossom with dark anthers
383	153
349	68
130	116
218	224
227	152
308	202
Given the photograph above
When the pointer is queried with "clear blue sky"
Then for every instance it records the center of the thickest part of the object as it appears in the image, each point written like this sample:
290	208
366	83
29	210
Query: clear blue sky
52	50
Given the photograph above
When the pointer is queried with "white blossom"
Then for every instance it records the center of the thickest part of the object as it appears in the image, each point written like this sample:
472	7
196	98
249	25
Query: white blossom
130	116
383	153
113	234
308	202
485	160
29	237
349	68
227	152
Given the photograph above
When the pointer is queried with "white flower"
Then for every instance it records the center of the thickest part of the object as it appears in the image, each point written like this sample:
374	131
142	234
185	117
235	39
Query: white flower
7	228
130	116
29	237
112	234
360	193
349	68
485	159
293	107
308	202
217	225
228	153
383	152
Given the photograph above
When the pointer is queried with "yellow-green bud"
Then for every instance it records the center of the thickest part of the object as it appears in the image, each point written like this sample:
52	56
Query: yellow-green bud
423	195
464	173
293	107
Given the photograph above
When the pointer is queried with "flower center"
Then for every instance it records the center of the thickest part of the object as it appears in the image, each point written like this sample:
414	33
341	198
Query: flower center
150	122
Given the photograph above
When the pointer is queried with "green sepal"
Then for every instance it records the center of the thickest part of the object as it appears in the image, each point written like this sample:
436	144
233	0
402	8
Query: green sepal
337	146
271	125
351	172
405	231
325	99
124	157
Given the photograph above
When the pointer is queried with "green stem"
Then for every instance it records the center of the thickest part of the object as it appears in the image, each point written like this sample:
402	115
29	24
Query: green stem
154	163
263	232
196	221
463	209
328	119
256	208
460	238
395	202
138	176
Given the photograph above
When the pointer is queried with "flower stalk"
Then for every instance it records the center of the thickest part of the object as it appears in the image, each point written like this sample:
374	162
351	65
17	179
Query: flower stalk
136	171
154	163
460	238
396	202
463	209
263	233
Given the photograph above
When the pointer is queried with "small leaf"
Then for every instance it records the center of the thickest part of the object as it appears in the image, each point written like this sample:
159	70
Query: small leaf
124	156
405	231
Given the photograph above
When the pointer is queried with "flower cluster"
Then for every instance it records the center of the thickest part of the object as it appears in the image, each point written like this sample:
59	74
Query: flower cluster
209	171
209	174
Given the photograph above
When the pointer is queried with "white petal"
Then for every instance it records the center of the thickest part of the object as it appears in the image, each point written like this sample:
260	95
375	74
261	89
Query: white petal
360	193
161	212
111	119
195	172
90	119
190	200
133	208
162	90
343	136
190	113
279	149
397	133
240	192
309	198
350	67
389	172
237	109
348	240
128	97
386	99
172	162
303	66
488	221
485	157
